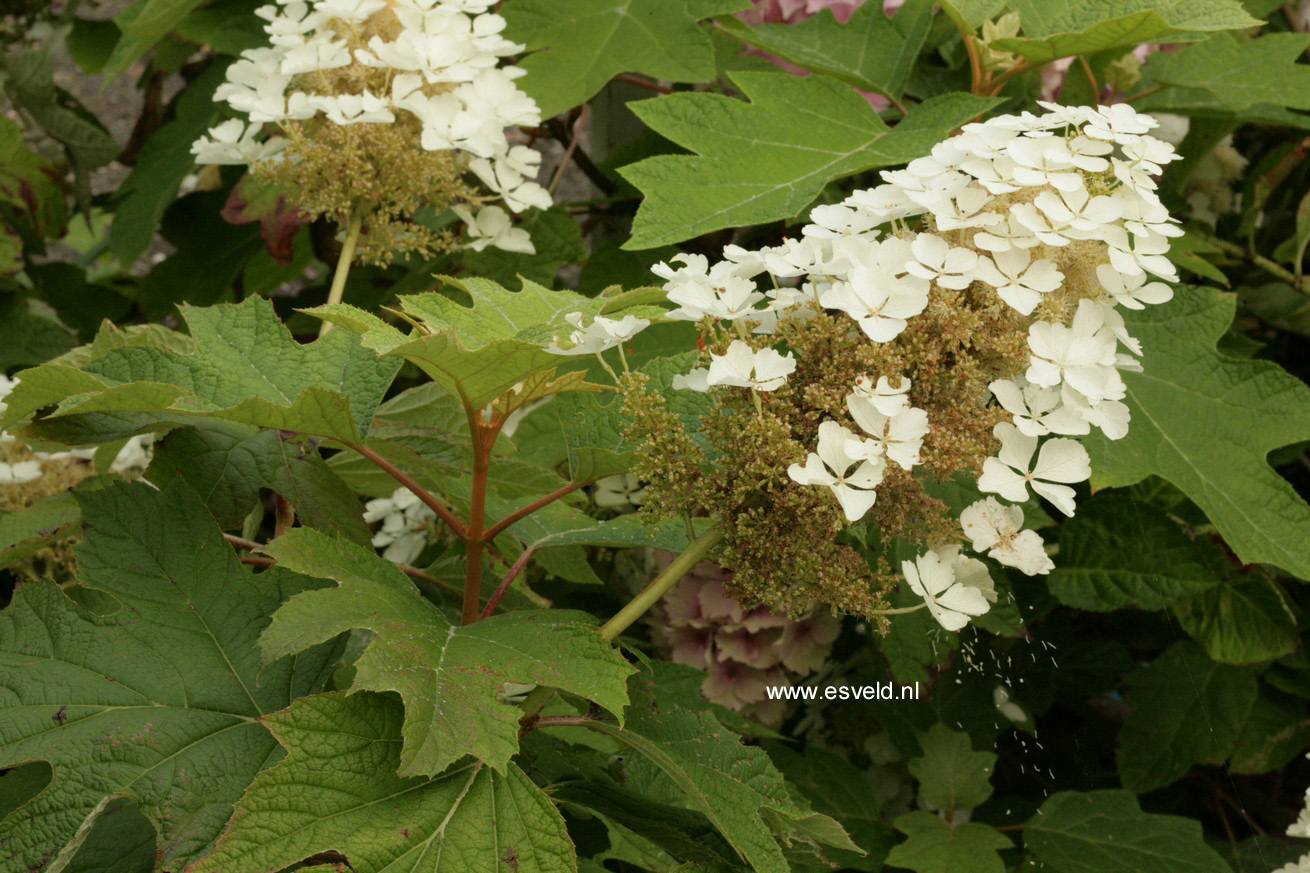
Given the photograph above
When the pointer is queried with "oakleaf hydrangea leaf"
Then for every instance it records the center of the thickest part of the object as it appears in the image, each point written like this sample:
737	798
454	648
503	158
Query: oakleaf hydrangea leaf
230	463
1205	423
479	352
337	790
1241	73
951	774
769	158
870	50
1056	28
1186	710
585	43
1107	832
1117	553
449	676
735	785
1244	621
157	701
239	364
934	846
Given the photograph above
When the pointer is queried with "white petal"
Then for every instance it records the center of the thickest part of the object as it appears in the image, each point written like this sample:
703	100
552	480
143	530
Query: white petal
1062	460
997	478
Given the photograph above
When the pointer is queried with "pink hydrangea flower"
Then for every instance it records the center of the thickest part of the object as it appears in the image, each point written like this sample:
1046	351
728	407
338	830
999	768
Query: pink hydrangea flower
742	651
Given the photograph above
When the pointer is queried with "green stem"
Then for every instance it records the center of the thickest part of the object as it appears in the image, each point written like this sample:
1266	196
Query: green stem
901	611
659	586
338	288
645	599
1271	267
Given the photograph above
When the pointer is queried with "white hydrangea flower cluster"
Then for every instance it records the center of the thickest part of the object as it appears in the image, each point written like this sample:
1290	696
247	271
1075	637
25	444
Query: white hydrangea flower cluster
1056	214
442	58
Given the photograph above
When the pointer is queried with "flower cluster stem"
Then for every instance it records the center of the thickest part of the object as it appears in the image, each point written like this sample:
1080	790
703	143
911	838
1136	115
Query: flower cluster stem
338	289
696	550
659	586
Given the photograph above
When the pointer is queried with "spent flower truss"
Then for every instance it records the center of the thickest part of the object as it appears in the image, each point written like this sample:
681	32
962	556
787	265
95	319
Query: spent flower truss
962	317
369	110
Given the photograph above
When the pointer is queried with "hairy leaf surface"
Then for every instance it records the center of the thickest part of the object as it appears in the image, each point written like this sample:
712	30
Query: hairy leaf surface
337	791
736	786
449	676
1117	553
585	43
239	364
157	701
1107	832
479	352
870	50
769	158
1056	29
1205	422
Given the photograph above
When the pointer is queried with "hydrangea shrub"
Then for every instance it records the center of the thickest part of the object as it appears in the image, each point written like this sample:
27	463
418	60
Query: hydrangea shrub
563	436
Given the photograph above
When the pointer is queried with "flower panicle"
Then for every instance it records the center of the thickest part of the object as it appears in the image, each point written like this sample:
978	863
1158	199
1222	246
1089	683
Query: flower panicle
963	315
352	92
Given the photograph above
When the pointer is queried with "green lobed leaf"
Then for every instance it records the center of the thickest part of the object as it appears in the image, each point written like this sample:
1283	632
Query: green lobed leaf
969	15
1117	553
579	45
228	464
337	790
951	774
735	785
1205	423
769	158
1107	832
848	794
1245	621
240	364
156	700
479	352
450	677
121	841
1186	710
1241	73
1276	731
682	834
870	50
934	846
1056	28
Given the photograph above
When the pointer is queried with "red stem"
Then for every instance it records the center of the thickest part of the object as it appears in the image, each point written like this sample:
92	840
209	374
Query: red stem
519	514
484	437
419	491
505	583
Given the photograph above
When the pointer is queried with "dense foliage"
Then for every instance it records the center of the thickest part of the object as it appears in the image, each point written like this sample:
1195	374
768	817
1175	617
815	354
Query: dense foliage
654	435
